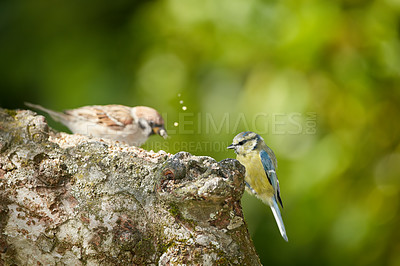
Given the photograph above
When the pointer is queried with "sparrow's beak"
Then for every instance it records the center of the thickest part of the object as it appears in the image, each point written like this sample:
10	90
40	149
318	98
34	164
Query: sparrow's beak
160	131
231	146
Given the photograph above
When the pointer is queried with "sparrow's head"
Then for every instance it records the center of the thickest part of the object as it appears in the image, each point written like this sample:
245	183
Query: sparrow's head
149	120
245	142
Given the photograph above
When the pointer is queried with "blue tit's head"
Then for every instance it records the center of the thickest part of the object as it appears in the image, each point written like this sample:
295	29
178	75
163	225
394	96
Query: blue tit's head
245	142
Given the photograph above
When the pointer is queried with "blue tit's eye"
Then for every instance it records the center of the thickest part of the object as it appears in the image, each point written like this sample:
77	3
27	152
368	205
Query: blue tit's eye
242	142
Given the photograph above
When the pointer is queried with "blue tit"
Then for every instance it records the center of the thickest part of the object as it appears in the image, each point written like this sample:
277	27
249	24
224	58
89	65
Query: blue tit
261	180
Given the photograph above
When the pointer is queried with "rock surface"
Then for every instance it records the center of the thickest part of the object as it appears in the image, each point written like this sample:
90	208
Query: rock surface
75	200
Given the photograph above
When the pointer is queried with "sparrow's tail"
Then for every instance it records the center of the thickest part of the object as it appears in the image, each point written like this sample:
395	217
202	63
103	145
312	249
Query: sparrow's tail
57	116
278	218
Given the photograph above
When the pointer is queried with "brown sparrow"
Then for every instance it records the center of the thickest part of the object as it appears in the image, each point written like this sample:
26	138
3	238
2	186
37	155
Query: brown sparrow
132	125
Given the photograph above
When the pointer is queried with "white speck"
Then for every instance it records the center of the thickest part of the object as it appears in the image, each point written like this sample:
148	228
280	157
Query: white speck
184	108
176	124
181	102
179	95
235	222
202	240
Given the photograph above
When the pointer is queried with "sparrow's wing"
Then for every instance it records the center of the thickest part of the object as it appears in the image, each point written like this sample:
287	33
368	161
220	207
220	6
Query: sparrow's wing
111	116
271	173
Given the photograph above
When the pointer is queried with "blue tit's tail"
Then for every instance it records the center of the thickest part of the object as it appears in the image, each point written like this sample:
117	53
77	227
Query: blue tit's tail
278	218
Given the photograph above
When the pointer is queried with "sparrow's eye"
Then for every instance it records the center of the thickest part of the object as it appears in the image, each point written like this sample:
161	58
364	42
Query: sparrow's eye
151	123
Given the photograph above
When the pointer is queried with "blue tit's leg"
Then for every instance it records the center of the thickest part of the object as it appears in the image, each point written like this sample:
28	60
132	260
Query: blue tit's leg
251	189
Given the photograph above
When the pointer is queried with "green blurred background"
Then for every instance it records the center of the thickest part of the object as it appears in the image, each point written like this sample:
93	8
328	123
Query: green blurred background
319	80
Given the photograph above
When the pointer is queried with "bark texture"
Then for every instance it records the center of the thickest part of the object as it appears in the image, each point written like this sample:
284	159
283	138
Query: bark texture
75	200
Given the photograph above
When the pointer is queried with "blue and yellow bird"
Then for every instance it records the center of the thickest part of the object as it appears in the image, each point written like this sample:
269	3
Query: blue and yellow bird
260	163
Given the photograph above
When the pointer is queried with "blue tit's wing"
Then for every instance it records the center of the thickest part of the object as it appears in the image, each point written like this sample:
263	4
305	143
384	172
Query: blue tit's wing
269	169
271	174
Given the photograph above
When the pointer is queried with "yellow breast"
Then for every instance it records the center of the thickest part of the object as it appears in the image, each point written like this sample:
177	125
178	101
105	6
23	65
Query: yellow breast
256	176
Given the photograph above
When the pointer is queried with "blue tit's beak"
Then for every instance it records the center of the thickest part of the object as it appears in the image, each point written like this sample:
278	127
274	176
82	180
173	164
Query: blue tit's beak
231	146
